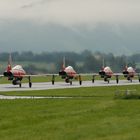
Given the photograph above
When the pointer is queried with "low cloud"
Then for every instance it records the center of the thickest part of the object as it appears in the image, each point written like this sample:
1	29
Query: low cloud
72	12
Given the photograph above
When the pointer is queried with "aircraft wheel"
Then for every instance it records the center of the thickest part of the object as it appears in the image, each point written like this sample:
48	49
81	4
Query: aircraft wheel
93	79
30	84
70	82
20	85
53	79
53	82
80	80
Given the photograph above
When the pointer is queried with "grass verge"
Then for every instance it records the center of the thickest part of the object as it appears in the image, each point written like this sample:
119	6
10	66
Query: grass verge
97	115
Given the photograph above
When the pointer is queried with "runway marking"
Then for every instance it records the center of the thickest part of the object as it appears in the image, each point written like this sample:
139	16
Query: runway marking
43	97
32	97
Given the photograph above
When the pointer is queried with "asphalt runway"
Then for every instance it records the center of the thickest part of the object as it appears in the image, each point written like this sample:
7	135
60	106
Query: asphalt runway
58	85
63	85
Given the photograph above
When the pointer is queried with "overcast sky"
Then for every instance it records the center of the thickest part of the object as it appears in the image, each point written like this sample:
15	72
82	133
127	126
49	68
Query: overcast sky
41	25
71	12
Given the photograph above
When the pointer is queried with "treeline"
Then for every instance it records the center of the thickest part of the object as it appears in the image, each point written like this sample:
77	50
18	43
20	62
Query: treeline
85	61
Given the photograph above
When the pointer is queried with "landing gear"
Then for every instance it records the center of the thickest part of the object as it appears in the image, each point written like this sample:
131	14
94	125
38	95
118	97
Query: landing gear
20	85
53	79
70	82
117	79
52	82
106	80
129	79
17	81
139	77
30	83
80	80
93	78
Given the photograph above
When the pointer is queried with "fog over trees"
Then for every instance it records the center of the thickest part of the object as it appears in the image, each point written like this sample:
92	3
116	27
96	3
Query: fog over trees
84	62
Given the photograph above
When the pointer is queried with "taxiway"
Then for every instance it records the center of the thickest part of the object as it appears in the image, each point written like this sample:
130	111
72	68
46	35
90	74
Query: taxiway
63	85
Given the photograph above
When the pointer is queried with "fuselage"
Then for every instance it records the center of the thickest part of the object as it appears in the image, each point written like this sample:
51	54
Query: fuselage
106	72
68	74
70	71
129	72
18	71
15	72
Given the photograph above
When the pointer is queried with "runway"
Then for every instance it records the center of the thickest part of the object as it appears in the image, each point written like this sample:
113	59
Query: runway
58	85
63	85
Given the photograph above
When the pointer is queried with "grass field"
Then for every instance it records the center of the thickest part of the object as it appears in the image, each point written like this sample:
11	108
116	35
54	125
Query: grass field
94	114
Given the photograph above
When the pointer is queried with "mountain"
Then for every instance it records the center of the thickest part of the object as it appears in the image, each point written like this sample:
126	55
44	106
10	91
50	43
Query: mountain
116	39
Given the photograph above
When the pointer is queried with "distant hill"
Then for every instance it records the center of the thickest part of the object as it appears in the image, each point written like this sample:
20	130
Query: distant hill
117	39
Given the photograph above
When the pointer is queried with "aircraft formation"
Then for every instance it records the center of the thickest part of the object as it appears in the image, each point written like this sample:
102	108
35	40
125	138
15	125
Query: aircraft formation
17	73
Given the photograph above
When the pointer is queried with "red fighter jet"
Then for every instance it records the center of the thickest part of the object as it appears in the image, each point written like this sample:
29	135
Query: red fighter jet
16	74
68	73
130	73
107	73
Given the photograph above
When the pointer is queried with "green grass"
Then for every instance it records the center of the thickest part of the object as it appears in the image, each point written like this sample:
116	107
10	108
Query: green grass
98	115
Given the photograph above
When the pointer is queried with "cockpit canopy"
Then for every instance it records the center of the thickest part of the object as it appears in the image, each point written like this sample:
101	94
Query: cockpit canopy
17	67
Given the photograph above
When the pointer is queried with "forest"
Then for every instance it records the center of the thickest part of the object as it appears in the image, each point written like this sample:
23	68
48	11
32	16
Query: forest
84	62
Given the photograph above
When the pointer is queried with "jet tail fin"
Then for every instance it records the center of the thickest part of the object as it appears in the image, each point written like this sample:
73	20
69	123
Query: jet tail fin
125	68
103	64
9	67
64	63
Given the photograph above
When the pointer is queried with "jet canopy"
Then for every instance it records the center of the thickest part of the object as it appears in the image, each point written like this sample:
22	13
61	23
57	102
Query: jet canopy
130	69
69	68
17	67
107	69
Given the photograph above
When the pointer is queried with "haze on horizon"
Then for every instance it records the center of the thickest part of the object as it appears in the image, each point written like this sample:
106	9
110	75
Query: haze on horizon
70	25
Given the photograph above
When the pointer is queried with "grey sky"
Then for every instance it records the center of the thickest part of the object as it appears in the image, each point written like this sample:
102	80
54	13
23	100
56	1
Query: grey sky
72	12
70	25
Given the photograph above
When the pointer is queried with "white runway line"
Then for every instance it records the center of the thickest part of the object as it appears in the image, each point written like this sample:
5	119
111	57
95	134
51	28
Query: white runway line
30	97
